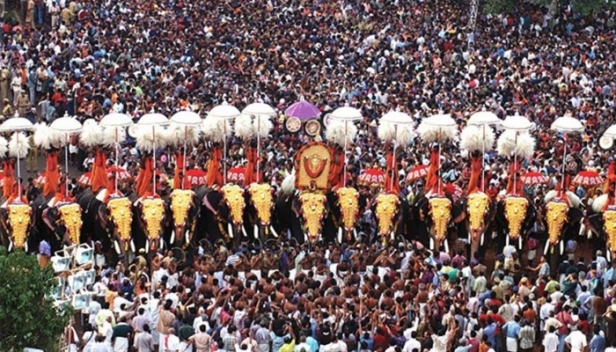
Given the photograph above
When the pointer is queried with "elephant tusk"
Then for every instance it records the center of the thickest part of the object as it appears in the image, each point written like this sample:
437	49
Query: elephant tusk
482	238
230	229
562	247
172	239
162	243
187	236
391	235
582	229
117	247
147	245
10	246
446	245
273	231
244	231
507	241
26	246
355	233
545	249
609	255
340	235
306	237
520	242
469	237
431	243
256	231
132	246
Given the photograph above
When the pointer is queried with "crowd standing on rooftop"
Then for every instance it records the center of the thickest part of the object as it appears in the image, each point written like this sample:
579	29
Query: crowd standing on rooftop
86	59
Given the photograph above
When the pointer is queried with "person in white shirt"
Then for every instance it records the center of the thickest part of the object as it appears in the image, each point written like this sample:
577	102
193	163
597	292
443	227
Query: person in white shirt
412	343
93	310
576	340
612	348
106	330
100	345
302	345
170	343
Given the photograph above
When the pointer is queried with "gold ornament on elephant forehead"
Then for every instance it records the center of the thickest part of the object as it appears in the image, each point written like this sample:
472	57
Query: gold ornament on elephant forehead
121	214
234	197
440	212
19	221
609	225
477	205
313	210
262	199
386	209
515	211
348	200
153	210
555	216
70	214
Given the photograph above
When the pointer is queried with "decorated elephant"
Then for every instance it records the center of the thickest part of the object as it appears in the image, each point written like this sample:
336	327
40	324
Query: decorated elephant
435	212
480	212
390	212
601	221
517	215
260	205
185	207
561	215
223	213
58	219
150	218
348	205
16	219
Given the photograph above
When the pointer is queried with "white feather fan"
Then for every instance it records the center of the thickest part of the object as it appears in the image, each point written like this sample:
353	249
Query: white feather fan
434	134
506	143
288	184
19	145
243	126
386	132
92	134
148	139
335	132
472	138
262	126
215	129
405	135
4	147
46	138
113	135
177	134
525	146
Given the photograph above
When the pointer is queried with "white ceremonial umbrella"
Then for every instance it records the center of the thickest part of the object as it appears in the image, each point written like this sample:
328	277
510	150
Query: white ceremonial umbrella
440	121
518	124
566	124
66	125
224	111
259	111
346	114
152	120
116	121
395	118
484	119
186	119
17	124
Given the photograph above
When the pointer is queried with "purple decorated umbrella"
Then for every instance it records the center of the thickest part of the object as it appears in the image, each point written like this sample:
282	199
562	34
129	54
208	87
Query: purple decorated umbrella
303	110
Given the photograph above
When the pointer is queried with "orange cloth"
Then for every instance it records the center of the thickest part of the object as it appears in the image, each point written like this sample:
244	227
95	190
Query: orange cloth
9	178
99	178
179	166
145	177
473	182
433	169
609	184
513	169
336	166
52	174
250	171
214	177
391	178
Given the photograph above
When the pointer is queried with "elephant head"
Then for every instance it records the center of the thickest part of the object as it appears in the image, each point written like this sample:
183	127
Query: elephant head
440	213
19	219
182	201
120	213
234	198
609	225
348	201
559	212
313	210
515	213
385	212
262	198
70	218
477	207
153	215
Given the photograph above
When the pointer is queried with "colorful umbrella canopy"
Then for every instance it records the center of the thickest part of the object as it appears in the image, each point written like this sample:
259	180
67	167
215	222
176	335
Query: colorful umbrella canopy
303	110
588	179
534	178
122	174
84	180
454	191
371	177
417	173
235	174
195	177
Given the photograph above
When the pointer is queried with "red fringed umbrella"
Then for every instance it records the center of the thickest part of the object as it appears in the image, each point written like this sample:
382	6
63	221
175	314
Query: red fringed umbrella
121	174
454	191
195	177
84	180
235	174
588	179
371	177
534	178
417	173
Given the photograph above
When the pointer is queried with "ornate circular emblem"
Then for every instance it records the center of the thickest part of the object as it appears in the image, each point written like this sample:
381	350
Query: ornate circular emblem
293	124
313	128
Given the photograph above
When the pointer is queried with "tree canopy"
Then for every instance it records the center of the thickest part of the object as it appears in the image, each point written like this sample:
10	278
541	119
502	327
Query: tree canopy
27	317
583	7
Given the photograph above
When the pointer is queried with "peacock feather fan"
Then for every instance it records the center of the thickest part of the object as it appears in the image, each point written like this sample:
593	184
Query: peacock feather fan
19	145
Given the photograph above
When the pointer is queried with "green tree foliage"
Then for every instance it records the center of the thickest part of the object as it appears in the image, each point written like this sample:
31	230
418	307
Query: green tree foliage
27	318
584	7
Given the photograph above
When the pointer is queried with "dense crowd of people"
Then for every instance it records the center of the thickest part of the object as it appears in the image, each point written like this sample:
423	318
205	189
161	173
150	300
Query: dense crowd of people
87	59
